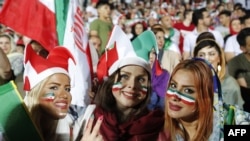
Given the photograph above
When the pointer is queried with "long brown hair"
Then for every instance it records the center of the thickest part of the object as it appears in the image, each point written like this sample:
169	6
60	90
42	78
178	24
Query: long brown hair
105	99
203	78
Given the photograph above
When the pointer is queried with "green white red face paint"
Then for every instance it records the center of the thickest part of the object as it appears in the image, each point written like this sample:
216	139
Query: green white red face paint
144	89
49	97
187	99
117	86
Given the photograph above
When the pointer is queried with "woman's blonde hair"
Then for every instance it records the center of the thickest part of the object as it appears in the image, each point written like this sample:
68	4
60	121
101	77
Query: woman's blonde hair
12	43
203	79
32	102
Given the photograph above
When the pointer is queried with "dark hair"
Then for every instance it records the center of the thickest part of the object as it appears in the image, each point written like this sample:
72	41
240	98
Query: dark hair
144	26
225	12
237	6
204	43
158	29
102	2
186	12
197	15
205	35
244	18
242	35
105	99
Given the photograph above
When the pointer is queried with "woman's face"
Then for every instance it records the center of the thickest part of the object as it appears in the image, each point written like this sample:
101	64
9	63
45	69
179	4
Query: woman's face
181	96
152	57
160	37
211	55
236	25
138	28
5	44
55	96
132	87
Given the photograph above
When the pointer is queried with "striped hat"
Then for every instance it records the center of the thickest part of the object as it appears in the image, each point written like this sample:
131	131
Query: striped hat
38	68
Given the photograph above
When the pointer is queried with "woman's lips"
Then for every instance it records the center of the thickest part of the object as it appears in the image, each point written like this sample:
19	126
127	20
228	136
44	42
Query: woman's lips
174	107
61	104
129	95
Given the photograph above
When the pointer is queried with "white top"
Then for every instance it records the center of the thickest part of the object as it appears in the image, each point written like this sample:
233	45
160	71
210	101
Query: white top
190	40
174	47
232	45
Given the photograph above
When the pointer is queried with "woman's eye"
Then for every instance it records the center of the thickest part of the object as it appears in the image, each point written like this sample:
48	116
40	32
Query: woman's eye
201	55
212	54
141	80
172	85
68	89
53	88
188	91
124	76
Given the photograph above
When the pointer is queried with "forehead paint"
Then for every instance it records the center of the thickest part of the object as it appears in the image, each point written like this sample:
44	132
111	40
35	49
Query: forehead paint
184	97
144	89
117	86
49	97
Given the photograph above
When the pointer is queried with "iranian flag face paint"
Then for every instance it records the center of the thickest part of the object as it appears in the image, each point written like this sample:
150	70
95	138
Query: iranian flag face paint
117	86
187	99
144	90
49	97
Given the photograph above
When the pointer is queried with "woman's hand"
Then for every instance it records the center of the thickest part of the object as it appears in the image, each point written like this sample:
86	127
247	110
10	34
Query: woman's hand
93	135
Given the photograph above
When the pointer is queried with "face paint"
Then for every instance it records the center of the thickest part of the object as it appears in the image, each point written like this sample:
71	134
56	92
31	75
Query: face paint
117	86
49	97
183	97
144	89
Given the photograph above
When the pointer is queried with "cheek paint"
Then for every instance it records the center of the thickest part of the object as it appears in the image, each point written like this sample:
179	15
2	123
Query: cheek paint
49	97
117	86
183	97
144	90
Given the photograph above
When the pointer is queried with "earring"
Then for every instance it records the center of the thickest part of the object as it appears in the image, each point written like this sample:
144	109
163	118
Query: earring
219	68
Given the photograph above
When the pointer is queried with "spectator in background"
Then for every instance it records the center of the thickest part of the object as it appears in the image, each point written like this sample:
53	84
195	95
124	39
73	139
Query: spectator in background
169	56
185	27
137	28
102	26
208	49
224	24
239	66
232	47
6	73
172	35
202	21
15	58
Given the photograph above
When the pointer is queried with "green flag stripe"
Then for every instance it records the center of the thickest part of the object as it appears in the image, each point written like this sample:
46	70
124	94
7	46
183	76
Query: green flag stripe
61	12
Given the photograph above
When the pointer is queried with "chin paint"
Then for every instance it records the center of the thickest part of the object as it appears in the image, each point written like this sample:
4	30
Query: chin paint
49	97
183	97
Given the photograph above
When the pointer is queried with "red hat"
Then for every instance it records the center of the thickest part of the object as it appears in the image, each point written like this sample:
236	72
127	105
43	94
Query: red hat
38	68
20	42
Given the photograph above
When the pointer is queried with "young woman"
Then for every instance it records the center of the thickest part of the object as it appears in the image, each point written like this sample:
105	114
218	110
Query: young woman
123	99
208	49
48	97
15	58
189	102
169	57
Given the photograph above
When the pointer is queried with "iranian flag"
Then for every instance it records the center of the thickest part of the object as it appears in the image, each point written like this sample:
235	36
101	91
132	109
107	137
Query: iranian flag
53	23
